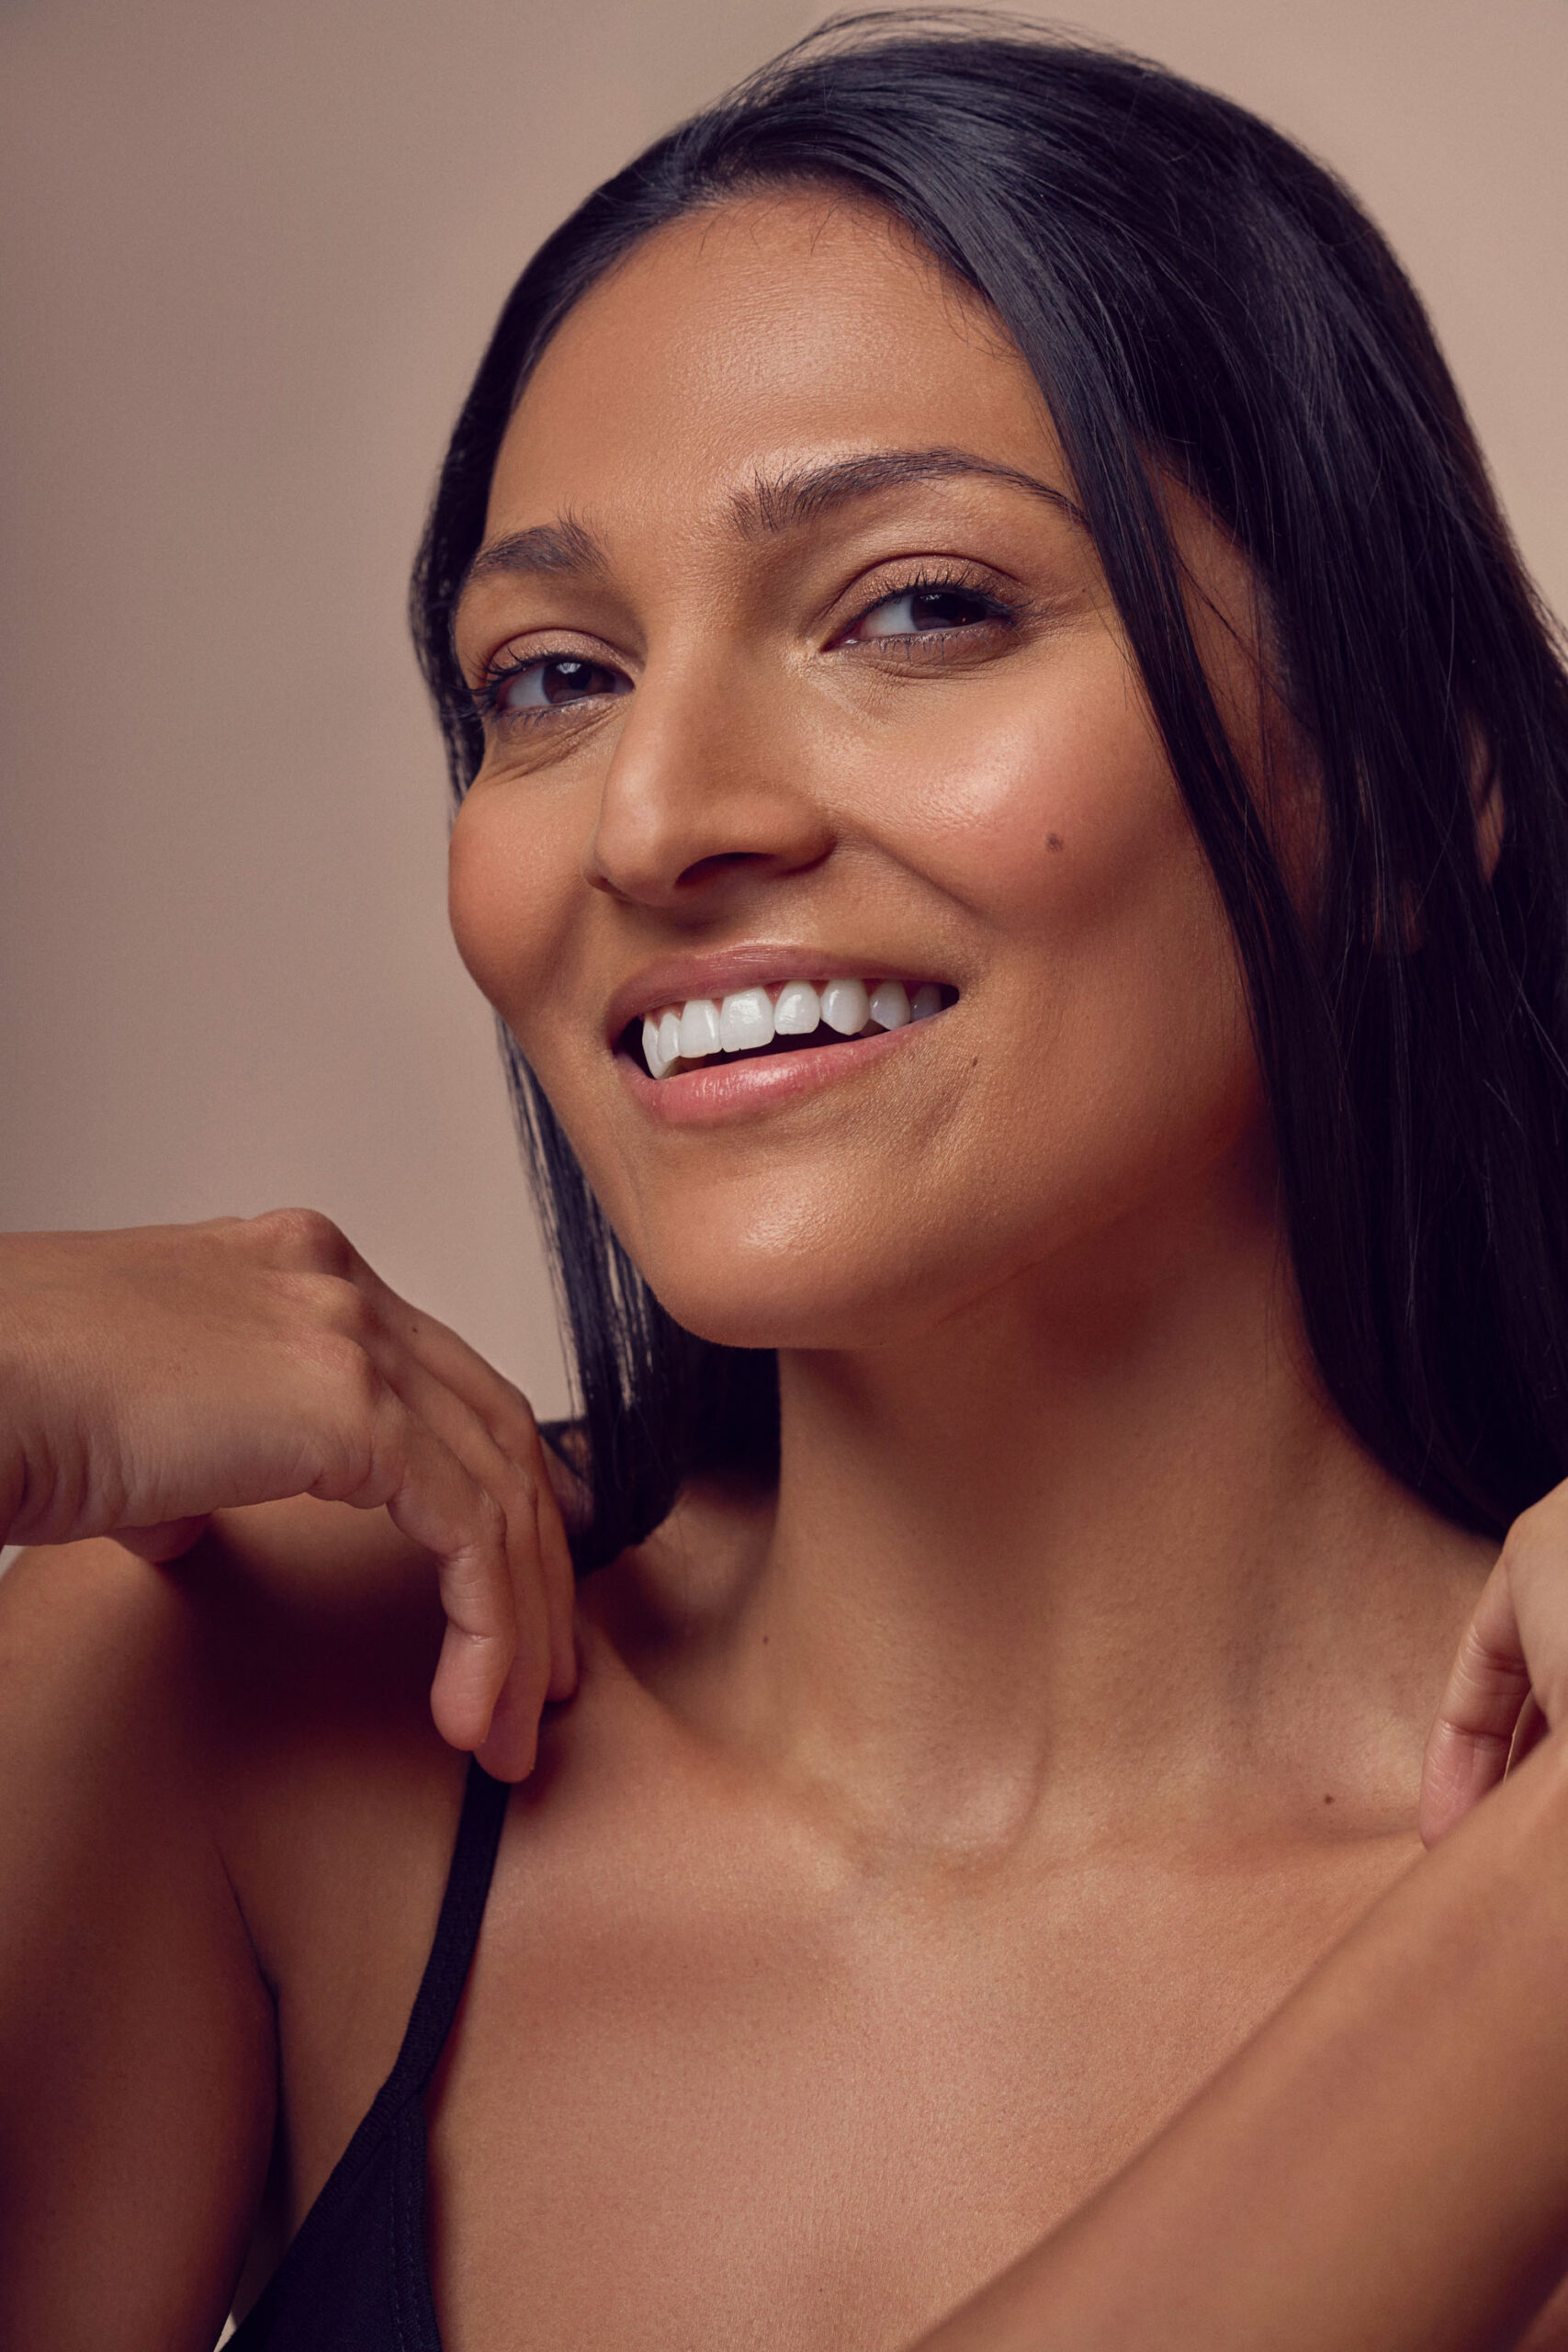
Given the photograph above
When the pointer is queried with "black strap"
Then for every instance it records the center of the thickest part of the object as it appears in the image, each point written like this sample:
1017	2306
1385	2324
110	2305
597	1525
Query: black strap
456	1933
362	2242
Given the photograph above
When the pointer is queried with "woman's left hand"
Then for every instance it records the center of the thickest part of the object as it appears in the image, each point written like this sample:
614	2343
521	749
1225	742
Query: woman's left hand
1509	1684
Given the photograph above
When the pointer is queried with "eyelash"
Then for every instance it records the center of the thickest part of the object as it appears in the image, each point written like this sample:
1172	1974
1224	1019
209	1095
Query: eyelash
953	580
498	674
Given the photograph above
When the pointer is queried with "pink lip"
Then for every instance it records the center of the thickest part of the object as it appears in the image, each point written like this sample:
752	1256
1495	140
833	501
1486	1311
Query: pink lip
725	1092
674	979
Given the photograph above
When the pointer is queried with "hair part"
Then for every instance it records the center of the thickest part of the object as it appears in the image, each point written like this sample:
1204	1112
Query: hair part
1199	300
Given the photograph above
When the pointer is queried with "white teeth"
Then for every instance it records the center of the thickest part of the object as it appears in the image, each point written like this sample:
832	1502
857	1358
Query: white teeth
749	1019
746	1020
657	1060
699	1028
890	1005
798	1010
845	1006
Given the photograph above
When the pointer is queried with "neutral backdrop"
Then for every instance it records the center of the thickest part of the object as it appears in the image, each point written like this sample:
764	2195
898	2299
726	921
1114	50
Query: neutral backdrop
251	256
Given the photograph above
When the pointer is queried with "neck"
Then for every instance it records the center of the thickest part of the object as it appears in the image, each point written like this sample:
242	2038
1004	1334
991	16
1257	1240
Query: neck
1099	1540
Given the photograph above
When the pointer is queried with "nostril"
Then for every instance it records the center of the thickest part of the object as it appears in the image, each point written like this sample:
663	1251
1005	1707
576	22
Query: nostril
723	865
622	880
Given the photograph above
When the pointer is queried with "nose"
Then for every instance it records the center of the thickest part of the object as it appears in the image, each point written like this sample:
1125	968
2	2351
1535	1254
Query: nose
708	788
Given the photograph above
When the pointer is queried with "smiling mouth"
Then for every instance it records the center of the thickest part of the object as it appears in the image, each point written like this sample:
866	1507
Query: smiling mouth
781	1020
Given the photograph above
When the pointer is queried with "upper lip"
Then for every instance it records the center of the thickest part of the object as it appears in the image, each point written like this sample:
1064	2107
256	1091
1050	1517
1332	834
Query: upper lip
675	980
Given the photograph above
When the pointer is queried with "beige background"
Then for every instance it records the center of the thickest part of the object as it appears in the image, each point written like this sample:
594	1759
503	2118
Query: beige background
253	252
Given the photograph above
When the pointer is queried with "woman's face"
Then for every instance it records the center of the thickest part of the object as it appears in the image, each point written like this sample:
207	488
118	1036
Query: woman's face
800	669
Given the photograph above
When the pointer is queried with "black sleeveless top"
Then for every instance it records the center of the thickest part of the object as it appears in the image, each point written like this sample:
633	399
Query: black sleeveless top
356	2275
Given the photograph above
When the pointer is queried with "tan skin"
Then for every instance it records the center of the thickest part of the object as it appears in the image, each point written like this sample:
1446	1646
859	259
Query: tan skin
916	1841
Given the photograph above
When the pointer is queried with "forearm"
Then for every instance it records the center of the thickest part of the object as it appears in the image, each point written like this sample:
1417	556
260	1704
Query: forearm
1383	2168
13	1457
43	1483
12	1479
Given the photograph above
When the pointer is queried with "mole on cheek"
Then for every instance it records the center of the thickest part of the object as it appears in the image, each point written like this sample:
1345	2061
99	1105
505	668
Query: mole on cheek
1055	840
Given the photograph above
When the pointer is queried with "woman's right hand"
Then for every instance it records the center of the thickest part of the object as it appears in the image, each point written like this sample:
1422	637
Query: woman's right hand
151	1376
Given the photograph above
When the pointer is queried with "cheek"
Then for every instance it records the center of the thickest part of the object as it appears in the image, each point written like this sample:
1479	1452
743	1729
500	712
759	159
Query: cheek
510	887
1112	967
1057	822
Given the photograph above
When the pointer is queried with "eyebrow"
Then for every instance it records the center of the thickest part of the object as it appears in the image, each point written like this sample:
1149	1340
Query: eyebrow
765	508
800	497
565	544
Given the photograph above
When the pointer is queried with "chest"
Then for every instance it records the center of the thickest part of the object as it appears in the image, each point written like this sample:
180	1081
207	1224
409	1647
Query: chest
830	2114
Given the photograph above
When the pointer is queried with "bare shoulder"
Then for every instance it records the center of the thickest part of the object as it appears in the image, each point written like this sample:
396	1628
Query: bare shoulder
275	1678
647	1757
278	1606
1550	2330
227	1823
132	2013
98	1688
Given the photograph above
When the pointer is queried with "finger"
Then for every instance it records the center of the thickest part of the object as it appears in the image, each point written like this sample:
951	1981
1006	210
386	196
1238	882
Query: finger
510	1746
486	1424
506	1415
510	1749
1467	1751
514	1729
560	1592
401	1464
507	1420
1528	1732
308	1243
521	1695
496	1401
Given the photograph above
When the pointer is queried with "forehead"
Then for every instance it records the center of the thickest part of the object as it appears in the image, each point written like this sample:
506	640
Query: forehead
739	341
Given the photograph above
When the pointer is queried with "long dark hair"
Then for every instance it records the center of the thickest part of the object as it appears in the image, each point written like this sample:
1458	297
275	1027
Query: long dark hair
1199	300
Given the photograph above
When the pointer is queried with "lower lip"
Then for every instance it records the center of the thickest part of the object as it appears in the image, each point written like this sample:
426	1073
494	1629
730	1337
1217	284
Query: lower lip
727	1092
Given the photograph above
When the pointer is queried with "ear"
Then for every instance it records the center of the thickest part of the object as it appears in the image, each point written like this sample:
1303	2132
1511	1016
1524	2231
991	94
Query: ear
1486	802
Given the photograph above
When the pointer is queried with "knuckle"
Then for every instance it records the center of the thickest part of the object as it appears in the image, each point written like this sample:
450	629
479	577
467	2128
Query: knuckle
523	1412
520	1515
504	1412
243	1231
1534	1539
490	1520
304	1239
326	1303
344	1309
343	1369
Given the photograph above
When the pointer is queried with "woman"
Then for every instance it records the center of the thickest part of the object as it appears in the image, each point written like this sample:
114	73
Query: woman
1012	809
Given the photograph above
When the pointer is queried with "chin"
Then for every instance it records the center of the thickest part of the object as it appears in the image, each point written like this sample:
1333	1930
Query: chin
801	1296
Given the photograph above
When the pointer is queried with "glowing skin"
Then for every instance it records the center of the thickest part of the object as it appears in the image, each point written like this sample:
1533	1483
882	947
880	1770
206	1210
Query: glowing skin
823	681
779	756
915	1840
1075	1597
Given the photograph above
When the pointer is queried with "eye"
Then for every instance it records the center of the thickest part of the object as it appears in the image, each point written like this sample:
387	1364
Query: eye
519	689
925	611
